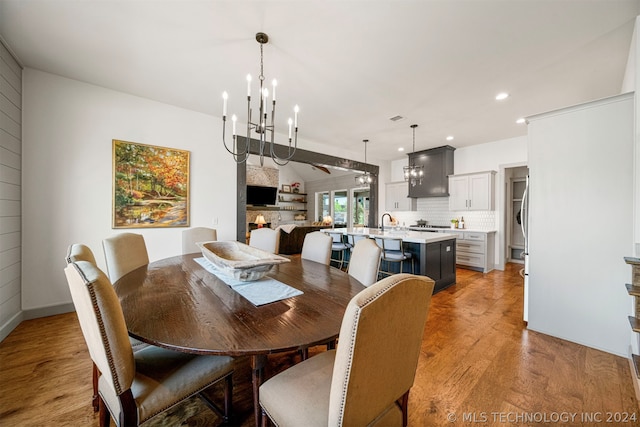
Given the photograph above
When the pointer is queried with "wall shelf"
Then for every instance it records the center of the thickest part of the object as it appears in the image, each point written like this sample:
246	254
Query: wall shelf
273	208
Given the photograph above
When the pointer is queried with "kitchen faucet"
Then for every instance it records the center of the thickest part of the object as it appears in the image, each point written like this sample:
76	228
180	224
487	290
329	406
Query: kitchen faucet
382	220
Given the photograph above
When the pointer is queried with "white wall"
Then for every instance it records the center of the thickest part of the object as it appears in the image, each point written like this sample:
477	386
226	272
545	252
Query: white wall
491	156
67	174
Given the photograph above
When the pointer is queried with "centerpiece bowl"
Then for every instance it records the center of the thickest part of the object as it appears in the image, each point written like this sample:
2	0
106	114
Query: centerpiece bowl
239	261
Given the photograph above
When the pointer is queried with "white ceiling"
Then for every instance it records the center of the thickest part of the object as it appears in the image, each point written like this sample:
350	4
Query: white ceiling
350	65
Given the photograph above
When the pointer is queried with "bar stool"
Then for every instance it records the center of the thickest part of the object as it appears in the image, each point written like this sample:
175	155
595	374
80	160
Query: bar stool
339	246
393	251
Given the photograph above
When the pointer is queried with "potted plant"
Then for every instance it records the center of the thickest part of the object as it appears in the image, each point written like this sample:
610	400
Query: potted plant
454	223
296	187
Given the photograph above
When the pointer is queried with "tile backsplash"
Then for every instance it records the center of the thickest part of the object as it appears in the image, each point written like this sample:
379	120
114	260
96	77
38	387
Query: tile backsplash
436	211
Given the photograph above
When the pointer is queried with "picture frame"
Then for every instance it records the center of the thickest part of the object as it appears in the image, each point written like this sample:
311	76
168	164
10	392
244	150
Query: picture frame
286	188
150	186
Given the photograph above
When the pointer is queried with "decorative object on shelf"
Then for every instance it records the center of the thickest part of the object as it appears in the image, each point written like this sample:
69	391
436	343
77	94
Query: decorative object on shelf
260	221
296	187
286	188
413	173
327	220
365	178
261	127
150	186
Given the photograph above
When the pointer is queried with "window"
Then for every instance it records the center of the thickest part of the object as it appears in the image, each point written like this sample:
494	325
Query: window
340	208
322	205
360	207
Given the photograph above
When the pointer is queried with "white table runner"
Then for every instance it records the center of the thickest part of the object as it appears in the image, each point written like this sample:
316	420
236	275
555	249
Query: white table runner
258	292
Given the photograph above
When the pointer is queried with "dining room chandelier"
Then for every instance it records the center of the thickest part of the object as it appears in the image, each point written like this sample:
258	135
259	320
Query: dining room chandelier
264	123
413	173
365	178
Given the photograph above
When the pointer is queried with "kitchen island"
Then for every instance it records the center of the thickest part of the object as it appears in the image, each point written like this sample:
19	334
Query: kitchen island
434	253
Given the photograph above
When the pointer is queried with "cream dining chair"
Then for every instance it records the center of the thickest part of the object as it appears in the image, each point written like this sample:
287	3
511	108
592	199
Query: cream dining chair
317	247
366	381
191	236
124	253
135	387
266	239
79	252
365	261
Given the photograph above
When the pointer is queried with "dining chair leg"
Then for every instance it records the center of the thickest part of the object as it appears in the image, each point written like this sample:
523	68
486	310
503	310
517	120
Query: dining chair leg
95	401
265	419
228	399
304	354
103	414
405	408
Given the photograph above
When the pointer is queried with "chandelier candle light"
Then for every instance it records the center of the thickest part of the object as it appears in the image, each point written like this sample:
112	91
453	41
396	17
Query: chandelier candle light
413	173
261	127
365	178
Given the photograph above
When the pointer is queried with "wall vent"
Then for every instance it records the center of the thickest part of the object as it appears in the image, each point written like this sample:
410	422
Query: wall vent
396	118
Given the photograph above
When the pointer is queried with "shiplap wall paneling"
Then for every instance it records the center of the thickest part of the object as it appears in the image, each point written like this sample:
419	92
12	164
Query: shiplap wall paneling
10	191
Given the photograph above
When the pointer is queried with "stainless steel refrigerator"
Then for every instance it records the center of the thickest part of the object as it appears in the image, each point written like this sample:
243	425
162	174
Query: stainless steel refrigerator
524	224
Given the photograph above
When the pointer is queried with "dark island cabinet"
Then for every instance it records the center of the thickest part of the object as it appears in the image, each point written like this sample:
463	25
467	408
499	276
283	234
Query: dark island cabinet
436	260
441	263
438	165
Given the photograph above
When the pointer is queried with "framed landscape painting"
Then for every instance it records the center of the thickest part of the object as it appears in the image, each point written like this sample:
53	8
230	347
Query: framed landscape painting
150	186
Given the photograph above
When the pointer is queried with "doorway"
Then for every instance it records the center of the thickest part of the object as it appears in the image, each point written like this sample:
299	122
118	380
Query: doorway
515	182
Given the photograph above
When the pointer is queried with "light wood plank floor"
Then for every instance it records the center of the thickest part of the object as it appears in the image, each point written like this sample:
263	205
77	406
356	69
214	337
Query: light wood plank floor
479	366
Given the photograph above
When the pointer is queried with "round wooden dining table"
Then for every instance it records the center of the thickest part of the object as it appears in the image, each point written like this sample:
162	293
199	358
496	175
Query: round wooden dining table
176	304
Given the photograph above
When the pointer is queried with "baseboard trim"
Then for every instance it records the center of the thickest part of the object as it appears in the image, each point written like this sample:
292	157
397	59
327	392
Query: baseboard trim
10	325
634	375
51	310
35	313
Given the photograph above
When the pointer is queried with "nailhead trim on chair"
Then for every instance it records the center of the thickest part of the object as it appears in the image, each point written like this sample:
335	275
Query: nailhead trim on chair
94	302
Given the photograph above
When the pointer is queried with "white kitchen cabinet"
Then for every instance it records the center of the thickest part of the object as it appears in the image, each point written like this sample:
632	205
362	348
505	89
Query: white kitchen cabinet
472	192
475	249
396	197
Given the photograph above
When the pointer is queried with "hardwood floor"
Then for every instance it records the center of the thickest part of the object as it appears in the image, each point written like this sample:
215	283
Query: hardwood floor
479	365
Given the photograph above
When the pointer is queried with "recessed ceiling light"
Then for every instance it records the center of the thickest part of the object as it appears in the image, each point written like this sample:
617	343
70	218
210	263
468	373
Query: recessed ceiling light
450	138
520	120
401	149
501	96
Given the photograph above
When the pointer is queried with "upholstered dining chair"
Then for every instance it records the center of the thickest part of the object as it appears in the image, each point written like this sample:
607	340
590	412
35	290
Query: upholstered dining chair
191	236
135	387
79	252
124	253
365	261
317	247
366	381
393	252
266	239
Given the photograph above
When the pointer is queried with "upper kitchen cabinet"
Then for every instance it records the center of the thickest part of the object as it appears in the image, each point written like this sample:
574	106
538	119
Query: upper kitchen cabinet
397	199
472	192
438	165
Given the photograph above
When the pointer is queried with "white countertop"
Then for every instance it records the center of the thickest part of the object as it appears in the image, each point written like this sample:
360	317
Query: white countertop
451	230
408	236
